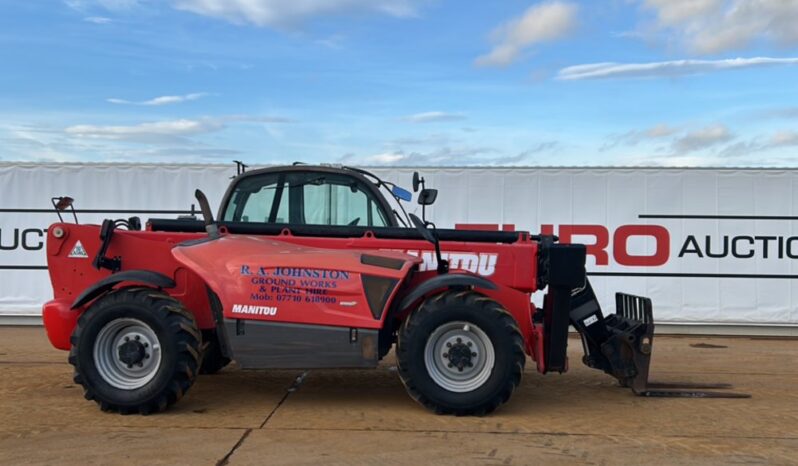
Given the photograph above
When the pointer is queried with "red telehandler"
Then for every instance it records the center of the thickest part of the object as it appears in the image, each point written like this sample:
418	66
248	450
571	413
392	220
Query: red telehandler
321	267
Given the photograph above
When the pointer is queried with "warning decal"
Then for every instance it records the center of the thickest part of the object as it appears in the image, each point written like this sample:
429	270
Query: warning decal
78	251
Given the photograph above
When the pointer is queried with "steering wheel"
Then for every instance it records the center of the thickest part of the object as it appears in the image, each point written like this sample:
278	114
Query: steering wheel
354	222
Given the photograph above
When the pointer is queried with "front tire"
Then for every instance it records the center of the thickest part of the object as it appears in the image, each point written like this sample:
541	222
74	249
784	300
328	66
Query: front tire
460	353
135	350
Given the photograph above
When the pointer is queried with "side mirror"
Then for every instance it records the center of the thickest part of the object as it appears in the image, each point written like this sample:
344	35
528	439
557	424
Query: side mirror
427	196
417	181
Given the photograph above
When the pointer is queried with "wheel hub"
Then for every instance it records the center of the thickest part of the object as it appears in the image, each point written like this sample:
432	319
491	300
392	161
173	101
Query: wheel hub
460	355
132	352
127	353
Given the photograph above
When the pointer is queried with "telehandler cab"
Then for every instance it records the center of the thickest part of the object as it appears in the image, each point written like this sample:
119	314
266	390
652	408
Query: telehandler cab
321	267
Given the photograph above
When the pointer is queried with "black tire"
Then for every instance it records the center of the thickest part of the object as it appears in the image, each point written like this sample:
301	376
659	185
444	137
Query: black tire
161	317
212	358
488	316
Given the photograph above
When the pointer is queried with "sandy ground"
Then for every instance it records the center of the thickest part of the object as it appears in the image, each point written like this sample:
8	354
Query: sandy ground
364	417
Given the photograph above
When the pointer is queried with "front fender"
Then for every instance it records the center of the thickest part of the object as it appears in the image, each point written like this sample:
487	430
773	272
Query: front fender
444	281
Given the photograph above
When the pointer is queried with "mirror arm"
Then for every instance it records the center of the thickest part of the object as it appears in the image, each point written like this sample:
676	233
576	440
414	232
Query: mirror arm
432	237
443	265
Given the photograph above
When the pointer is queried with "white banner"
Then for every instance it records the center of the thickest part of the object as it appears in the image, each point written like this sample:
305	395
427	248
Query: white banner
713	246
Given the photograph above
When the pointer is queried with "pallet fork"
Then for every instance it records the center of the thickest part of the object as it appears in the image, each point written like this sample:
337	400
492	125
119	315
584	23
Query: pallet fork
620	344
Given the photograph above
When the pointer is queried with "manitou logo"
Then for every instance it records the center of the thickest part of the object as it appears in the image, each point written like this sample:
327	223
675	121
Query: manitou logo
254	310
481	264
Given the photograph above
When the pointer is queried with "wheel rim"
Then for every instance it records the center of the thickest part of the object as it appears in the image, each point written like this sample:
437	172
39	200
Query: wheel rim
127	353
459	356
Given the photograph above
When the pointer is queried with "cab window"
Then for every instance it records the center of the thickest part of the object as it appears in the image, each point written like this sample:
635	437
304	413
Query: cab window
309	198
254	199
331	203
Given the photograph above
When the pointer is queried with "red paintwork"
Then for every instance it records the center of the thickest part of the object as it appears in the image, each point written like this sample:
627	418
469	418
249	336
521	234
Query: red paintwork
59	320
512	267
273	272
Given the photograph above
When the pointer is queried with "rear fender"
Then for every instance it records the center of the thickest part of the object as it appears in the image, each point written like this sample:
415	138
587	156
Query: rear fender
105	285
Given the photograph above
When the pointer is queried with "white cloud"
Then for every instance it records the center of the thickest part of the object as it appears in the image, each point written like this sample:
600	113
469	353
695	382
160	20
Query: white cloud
459	156
437	139
33	143
667	69
172	153
386	158
438	156
334	42
543	22
675	161
146	132
715	26
634	137
254	119
430	117
98	20
659	131
287	12
777	140
784	138
701	138
168	131
673	12
162	100
165	131
111	5
675	145
156	142
712	145
782	112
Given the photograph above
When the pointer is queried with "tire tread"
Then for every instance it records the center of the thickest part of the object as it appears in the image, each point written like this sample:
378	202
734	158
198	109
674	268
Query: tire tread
485	304
183	327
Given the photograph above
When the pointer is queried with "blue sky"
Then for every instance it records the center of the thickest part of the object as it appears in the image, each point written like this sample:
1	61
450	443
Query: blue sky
401	82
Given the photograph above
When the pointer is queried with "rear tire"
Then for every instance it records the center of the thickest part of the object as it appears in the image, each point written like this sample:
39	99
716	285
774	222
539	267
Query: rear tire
460	353
135	350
